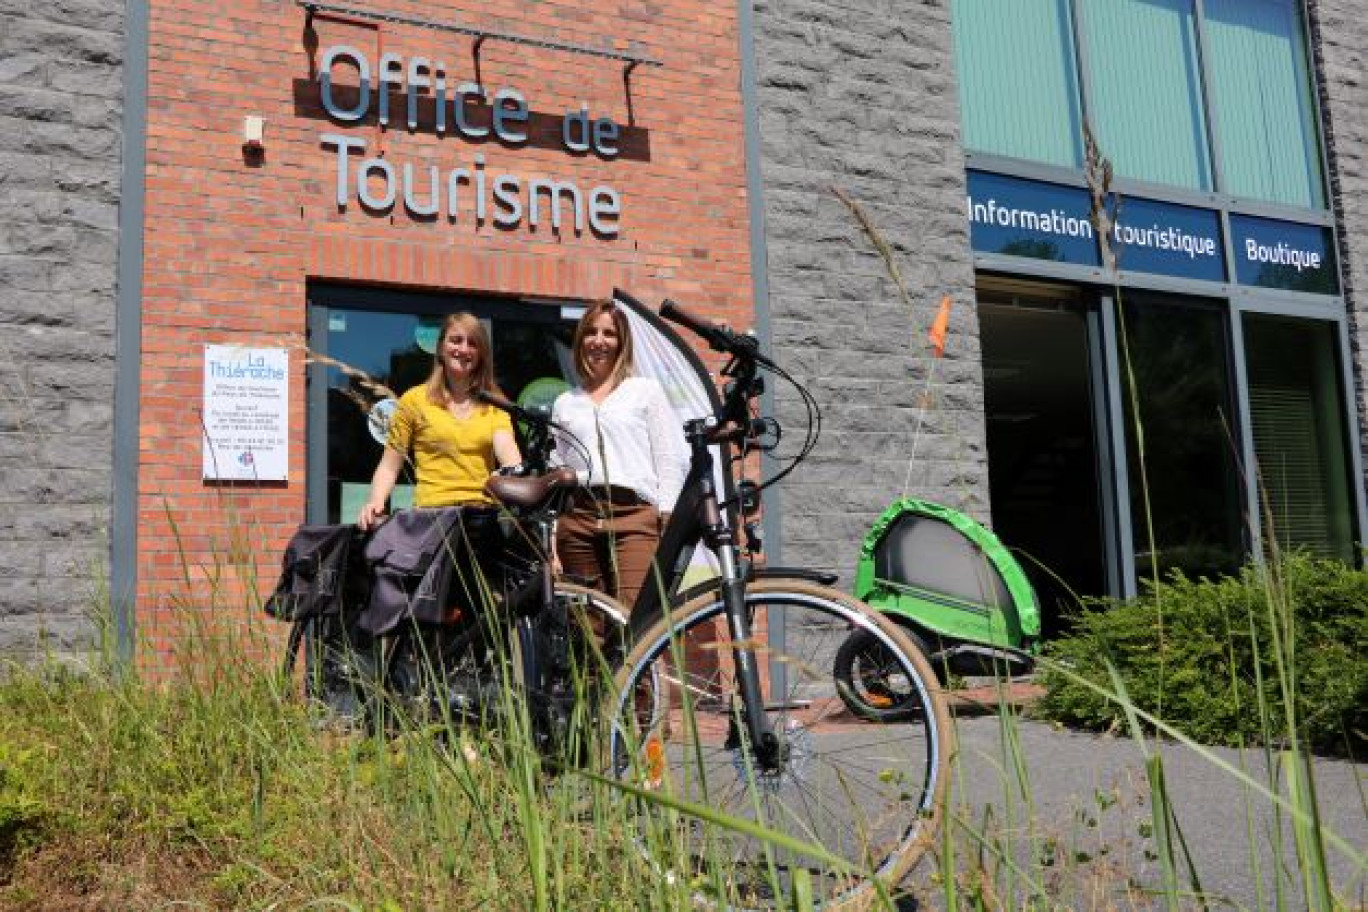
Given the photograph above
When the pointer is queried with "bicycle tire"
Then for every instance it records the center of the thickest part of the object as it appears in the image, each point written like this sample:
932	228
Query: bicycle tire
870	683
341	670
692	753
430	680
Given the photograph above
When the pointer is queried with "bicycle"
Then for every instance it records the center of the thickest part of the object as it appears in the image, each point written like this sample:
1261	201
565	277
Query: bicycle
532	639
691	718
696	720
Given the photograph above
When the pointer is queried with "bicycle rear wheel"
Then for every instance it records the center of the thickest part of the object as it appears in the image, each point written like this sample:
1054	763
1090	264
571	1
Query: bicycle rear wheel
341	666
461	673
868	794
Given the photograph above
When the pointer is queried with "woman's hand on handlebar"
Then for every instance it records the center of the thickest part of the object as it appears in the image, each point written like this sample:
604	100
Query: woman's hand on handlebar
371	515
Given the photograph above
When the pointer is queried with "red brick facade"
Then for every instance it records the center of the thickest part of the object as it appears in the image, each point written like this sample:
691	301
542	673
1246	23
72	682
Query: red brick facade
233	238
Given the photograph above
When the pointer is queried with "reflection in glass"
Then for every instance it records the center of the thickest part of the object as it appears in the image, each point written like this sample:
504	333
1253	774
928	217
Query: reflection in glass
1297	416
1178	364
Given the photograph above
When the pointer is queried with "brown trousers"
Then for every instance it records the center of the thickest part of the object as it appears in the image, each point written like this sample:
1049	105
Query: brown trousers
609	541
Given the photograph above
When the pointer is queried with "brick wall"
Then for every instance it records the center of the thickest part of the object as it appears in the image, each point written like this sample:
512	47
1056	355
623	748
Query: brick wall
61	82
861	96
1339	34
231	241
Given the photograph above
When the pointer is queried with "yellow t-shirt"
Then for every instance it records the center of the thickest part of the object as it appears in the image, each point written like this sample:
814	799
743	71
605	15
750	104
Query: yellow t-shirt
452	457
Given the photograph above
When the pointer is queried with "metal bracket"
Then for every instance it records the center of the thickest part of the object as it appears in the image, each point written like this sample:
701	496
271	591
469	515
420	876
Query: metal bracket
481	35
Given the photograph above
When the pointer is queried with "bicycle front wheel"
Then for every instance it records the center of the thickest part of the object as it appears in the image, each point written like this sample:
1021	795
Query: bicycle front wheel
863	798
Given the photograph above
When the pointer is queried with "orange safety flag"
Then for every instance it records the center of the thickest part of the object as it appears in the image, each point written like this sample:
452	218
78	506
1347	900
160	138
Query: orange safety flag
938	327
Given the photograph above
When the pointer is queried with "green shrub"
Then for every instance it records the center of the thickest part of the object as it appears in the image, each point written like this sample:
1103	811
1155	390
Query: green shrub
1214	672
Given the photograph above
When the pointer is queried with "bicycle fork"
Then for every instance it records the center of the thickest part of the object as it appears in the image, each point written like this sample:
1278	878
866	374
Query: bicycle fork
770	749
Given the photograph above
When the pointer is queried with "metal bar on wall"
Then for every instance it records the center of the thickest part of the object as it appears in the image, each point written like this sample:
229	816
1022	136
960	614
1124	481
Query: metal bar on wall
316	420
1244	431
1213	131
478	33
1353	443
771	518
123	557
1112	413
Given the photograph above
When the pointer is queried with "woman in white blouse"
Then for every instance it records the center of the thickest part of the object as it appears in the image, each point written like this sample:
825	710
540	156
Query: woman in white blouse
634	465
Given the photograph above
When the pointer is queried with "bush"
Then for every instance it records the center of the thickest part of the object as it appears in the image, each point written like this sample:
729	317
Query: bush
1203	675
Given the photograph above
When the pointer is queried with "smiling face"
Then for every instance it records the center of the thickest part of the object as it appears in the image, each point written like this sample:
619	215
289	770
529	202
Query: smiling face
600	346
461	354
462	363
603	346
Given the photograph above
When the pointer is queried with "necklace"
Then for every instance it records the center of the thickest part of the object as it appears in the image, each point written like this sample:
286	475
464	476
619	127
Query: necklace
460	409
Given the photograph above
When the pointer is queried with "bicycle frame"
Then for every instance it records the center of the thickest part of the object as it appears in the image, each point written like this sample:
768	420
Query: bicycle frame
699	517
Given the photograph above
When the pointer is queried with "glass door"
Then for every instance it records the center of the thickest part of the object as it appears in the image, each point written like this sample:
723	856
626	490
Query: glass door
1181	435
1043	455
378	344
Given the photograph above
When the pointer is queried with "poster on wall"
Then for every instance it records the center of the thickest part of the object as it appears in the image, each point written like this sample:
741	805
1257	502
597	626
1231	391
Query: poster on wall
246	413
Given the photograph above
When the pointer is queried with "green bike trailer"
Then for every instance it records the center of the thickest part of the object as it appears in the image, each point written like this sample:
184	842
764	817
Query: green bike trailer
952	582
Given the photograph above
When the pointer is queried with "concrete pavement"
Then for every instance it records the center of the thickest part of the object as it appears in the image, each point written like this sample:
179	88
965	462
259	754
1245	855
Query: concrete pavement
1089	812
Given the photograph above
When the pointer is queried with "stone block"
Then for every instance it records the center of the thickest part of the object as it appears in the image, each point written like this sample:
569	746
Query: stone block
24	69
19	596
97	180
51	242
65	41
82	277
66	139
33	103
97	80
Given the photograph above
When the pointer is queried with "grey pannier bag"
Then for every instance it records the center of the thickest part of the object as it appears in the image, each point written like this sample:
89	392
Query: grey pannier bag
411	558
317	573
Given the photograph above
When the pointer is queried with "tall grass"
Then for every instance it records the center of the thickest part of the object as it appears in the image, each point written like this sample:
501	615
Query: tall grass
221	788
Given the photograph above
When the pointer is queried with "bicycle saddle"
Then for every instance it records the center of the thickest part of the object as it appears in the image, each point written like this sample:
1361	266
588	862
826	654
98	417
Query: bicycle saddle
530	492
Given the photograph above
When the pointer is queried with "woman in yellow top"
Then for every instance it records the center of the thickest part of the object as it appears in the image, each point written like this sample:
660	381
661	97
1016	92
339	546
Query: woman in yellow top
456	440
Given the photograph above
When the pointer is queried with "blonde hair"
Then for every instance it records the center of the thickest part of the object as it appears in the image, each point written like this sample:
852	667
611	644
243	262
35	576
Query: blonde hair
439	391
625	364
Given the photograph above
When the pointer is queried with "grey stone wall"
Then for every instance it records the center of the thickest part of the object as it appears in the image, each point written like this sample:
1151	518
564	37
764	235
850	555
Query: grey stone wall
1339	37
61	83
860	95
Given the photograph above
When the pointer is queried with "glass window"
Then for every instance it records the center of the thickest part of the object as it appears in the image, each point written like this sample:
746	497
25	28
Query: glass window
394	348
1183	442
1145	90
1296	412
1261	93
1017	79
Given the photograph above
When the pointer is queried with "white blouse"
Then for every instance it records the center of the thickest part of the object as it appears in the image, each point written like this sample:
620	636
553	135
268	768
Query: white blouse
634	439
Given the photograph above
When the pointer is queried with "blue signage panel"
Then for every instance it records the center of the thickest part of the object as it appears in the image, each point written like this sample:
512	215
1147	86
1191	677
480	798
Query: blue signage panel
1028	218
1274	254
1168	239
1045	221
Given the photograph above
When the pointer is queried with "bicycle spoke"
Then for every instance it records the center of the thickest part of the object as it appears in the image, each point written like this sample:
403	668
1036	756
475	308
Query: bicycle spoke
856	788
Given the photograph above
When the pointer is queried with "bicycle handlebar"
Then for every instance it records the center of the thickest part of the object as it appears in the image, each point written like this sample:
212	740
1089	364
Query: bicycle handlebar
512	408
719	338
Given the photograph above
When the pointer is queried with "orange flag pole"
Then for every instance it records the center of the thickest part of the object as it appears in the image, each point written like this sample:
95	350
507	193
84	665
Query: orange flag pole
936	336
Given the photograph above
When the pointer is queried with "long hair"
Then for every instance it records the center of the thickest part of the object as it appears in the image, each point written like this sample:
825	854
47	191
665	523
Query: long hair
625	364
439	391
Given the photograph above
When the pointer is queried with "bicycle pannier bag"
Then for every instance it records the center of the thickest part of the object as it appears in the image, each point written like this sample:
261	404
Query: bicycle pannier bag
313	573
410	559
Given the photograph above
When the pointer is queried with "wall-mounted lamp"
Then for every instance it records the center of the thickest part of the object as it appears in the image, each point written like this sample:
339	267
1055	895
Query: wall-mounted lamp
253	133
